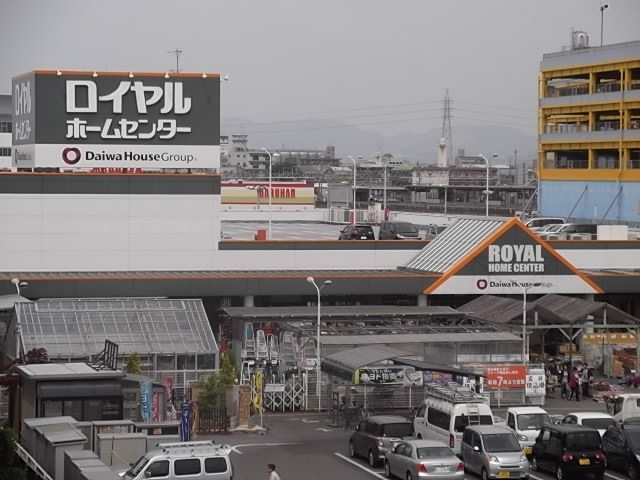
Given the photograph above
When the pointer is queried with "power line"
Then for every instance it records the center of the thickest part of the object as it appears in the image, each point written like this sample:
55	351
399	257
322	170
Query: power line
446	127
177	52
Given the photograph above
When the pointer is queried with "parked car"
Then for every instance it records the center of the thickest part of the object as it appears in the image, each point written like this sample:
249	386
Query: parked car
374	437
398	231
357	232
493	452
621	445
569	451
598	420
569	228
526	423
422	459
551	228
542	221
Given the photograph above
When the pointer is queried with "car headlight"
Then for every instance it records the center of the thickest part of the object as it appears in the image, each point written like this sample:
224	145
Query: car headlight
523	458
523	438
492	459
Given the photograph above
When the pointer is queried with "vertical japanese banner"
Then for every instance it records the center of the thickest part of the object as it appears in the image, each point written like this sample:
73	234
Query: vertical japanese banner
168	386
185	422
155	407
145	400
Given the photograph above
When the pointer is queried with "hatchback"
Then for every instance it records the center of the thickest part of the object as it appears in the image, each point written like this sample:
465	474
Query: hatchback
621	445
493	451
398	231
374	437
569	451
357	232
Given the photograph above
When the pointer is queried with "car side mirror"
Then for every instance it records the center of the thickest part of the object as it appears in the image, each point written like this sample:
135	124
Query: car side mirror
476	448
147	474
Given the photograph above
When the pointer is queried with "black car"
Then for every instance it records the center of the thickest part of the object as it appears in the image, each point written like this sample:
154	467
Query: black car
357	232
621	444
398	231
377	435
569	451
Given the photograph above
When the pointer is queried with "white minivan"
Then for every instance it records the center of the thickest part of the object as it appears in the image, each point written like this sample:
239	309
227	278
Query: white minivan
445	420
526	423
625	406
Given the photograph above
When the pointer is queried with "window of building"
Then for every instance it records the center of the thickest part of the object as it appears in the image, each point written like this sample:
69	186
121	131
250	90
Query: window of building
5	151
5	127
52	408
567	159
634	158
608	159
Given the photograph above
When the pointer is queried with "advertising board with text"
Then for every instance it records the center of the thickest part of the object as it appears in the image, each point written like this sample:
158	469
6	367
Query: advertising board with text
257	193
505	377
515	260
536	385
116	120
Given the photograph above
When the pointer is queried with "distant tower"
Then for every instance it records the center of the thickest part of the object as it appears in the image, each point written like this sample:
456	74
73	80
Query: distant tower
446	136
442	152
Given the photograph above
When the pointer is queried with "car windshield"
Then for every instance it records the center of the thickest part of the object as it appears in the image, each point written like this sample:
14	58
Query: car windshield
397	430
555	228
500	442
533	421
583	441
462	422
597	423
136	468
363	230
434	452
406	228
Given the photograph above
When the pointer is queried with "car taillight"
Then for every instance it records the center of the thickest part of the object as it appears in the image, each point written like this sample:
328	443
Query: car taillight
460	466
452	440
422	468
567	458
600	456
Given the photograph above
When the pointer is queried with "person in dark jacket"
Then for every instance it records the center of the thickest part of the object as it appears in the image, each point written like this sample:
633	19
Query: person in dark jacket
574	384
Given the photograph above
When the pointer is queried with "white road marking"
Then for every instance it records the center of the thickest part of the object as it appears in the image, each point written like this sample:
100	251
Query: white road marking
616	477
535	477
306	420
324	429
362	467
234	448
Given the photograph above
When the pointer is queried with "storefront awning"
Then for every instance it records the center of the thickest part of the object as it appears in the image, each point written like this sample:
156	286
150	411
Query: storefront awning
80	389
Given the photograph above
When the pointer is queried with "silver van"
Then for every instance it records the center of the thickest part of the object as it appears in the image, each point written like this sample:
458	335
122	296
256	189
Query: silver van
493	451
183	461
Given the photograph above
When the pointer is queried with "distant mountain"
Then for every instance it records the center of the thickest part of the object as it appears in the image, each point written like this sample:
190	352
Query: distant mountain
351	140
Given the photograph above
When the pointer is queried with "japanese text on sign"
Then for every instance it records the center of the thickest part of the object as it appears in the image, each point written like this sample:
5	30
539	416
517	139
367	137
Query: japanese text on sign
170	98
506	376
536	383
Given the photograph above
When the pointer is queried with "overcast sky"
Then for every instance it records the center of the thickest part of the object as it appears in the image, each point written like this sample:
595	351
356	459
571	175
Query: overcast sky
380	64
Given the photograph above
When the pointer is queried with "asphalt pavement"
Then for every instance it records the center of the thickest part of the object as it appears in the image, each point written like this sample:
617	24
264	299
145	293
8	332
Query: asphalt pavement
304	447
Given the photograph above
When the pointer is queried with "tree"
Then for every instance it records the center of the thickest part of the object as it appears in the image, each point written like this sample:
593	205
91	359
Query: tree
217	383
9	463
134	365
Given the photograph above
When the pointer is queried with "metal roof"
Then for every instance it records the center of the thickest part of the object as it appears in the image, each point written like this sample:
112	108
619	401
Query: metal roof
65	371
569	309
327	312
453	244
499	310
419	338
8	301
434	367
354	358
78	328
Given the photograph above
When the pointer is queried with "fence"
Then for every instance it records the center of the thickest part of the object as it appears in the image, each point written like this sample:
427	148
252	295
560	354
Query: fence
213	420
280	393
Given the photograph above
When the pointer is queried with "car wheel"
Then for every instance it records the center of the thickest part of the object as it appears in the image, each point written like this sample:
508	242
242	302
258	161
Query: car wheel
352	451
559	473
409	476
484	475
387	470
632	471
534	465
372	459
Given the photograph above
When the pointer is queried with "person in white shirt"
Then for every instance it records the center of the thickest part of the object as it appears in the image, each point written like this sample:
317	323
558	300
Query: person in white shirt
273	475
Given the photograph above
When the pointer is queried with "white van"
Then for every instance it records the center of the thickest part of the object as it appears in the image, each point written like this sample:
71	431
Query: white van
180	460
447	411
526	423
625	407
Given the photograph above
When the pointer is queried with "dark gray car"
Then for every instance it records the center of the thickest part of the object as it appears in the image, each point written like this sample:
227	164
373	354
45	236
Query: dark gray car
398	231
374	437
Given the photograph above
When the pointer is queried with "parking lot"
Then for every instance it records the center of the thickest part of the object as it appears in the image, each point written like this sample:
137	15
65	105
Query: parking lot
282	231
304	446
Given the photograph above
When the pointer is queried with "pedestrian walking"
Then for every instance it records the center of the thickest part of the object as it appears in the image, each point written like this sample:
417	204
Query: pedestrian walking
586	380
564	382
273	475
574	384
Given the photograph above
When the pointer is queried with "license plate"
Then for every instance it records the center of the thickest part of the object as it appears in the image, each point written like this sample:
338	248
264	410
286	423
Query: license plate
503	475
528	450
441	469
585	461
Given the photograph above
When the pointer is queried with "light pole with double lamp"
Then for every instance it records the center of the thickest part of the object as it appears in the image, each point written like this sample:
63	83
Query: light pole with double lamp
270	185
326	283
486	192
354	189
525	288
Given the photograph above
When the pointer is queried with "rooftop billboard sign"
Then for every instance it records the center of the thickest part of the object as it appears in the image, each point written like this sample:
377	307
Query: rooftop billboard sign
116	120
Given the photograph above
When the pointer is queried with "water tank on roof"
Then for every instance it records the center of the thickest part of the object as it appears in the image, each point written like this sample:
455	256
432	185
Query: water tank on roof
579	40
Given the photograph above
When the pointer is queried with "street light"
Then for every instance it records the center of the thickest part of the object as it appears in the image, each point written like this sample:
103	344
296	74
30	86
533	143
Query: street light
486	198
326	283
270	187
525	289
354	188
603	7
259	190
19	285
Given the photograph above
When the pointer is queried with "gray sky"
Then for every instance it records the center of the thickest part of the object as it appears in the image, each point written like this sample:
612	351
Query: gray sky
380	64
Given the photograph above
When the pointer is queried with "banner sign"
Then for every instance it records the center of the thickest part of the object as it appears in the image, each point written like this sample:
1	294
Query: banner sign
503	377
437	377
185	422
168	387
379	376
155	408
536	385
145	400
274	387
116	120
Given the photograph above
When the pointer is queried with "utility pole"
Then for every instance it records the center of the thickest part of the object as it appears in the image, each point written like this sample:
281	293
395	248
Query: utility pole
446	127
515	164
177	52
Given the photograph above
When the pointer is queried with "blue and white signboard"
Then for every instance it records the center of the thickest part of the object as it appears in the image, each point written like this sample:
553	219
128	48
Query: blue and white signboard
145	400
185	422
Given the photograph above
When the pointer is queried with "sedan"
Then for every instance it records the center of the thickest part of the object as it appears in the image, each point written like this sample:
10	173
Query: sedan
598	420
423	459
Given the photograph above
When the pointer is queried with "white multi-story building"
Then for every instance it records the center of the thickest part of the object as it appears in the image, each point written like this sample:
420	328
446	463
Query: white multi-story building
5	132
